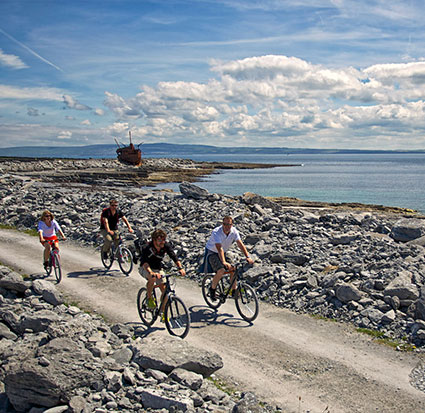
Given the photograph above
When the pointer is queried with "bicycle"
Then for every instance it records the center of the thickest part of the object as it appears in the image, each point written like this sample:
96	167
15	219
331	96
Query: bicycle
246	300
122	254
54	262
176	315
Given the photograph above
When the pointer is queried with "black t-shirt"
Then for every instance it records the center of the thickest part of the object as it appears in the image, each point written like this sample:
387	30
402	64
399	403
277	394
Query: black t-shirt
154	257
112	219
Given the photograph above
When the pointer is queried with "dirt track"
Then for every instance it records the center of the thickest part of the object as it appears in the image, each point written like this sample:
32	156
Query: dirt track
293	361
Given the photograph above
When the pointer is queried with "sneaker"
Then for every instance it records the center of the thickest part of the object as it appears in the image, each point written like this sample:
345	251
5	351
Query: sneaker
45	264
151	303
163	318
104	255
212	293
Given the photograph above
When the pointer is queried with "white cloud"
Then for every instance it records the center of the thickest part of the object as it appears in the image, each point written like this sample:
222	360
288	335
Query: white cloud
99	112
64	135
71	103
12	61
40	93
280	97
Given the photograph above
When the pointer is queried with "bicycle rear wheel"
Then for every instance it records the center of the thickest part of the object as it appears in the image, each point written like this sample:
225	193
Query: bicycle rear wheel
246	302
125	260
147	315
177	318
206	284
108	259
57	267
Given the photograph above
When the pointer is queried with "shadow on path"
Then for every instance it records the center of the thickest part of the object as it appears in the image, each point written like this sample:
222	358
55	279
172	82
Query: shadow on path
95	272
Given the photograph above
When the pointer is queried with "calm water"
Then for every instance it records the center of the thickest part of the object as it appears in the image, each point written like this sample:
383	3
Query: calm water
383	179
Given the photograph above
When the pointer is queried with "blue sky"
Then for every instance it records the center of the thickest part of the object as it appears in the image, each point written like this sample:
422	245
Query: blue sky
293	73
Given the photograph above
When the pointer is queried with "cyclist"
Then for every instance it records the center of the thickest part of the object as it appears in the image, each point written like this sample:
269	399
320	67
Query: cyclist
109	226
219	242
47	228
150	268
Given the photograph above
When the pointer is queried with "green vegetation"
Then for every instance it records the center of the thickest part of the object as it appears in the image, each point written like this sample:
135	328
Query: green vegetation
379	337
222	385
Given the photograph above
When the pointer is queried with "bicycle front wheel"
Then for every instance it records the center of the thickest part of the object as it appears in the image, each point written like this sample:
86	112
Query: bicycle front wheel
48	268
246	302
177	318
57	267
125	260
147	315
107	259
206	284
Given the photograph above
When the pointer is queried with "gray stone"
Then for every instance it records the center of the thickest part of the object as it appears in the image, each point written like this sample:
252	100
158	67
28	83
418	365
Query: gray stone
407	229
193	191
13	281
347	292
48	291
402	287
168	353
187	378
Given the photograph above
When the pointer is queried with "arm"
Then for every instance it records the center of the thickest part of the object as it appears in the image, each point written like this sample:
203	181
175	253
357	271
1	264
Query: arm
128	225
147	267
106	224
40	236
180	267
242	247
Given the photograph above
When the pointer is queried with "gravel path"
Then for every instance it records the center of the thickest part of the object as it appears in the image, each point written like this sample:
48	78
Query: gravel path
293	361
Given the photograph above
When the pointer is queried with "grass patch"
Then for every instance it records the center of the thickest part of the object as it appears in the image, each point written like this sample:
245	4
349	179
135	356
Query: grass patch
222	385
323	318
379	337
5	226
32	231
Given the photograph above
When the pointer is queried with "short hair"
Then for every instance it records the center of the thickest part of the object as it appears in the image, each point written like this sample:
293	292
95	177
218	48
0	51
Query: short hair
228	218
113	201
158	233
46	213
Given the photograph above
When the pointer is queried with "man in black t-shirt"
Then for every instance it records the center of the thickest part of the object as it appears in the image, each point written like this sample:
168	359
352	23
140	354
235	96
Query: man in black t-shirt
109	225
151	263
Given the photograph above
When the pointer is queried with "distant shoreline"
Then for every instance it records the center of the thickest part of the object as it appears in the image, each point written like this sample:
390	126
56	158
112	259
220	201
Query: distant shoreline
111	173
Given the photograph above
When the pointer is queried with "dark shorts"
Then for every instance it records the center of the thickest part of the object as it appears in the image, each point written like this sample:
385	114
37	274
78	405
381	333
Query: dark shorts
214	261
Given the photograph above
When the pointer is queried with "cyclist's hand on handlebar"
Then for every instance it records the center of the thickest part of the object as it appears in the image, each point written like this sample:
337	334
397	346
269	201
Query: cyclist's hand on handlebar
111	232
250	260
182	272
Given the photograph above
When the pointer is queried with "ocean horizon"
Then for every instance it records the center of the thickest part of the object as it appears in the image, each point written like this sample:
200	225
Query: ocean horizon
394	179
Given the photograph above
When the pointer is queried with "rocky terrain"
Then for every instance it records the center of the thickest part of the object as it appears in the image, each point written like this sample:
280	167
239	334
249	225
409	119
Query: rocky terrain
366	268
56	358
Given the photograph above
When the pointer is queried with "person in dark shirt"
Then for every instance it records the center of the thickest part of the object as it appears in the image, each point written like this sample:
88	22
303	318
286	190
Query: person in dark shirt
109	225
151	264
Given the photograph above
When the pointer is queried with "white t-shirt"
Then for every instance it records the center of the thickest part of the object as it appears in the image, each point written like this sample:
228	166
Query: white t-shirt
219	237
48	231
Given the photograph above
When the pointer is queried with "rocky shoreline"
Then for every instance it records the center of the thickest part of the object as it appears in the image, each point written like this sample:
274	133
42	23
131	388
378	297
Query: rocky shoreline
363	267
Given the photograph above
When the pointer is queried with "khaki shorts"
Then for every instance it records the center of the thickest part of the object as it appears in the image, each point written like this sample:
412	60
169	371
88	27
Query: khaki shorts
145	274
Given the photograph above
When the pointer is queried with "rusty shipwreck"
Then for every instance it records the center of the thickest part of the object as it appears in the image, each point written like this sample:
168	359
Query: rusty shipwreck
129	154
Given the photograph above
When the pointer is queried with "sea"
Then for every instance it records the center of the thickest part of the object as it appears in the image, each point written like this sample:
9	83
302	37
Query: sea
389	179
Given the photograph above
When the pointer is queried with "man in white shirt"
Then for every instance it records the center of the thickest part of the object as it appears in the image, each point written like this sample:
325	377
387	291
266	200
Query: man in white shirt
220	241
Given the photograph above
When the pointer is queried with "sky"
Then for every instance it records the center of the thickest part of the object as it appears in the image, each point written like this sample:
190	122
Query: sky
346	74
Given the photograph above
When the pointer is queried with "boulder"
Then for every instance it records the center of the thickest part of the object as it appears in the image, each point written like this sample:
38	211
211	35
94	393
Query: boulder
48	291
13	281
168	353
347	292
189	190
70	366
402	287
408	229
